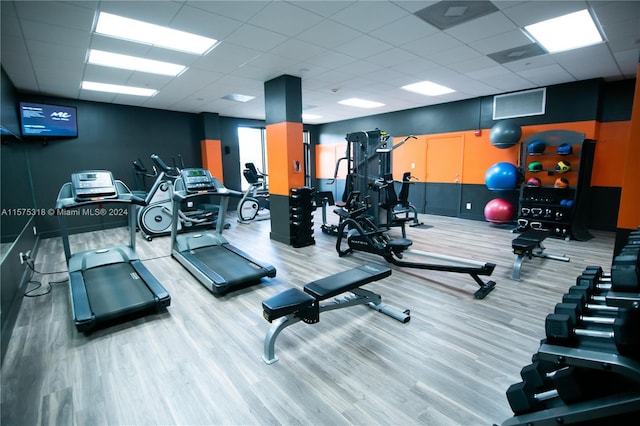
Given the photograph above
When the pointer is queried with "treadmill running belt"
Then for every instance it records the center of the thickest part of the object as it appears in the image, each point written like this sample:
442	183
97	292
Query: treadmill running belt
116	290
235	269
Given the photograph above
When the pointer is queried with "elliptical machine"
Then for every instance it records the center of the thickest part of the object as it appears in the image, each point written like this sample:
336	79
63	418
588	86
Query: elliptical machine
254	204
154	219
364	235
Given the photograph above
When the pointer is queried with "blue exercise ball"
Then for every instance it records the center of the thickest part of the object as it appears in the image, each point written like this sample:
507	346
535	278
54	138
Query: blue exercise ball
501	176
505	134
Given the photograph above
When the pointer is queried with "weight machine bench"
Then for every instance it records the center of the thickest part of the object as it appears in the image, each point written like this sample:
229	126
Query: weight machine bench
294	305
529	245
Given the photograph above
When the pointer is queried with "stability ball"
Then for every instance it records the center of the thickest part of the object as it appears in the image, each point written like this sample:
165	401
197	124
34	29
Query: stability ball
501	176
498	211
505	134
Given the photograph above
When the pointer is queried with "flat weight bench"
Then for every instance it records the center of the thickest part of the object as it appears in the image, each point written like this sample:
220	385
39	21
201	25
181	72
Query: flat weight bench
294	305
529	245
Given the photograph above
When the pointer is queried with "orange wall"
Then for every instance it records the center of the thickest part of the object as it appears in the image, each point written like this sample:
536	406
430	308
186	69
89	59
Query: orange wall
629	212
284	149
479	154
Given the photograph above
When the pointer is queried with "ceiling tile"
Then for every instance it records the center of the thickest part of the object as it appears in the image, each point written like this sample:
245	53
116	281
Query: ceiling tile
547	75
323	7
329	34
363	47
285	18
453	55
256	38
297	49
203	23
501	42
66	15
367	16
55	34
154	12
431	44
404	30
239	10
481	28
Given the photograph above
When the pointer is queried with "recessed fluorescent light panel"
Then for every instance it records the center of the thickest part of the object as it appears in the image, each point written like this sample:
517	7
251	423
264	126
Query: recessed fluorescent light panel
310	116
115	60
428	88
361	103
115	88
156	35
566	32
238	97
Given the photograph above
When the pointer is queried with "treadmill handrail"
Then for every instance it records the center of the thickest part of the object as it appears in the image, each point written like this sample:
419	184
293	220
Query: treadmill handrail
65	199
223	192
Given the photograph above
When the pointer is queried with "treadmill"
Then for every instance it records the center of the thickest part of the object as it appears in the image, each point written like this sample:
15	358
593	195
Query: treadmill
107	285
208	256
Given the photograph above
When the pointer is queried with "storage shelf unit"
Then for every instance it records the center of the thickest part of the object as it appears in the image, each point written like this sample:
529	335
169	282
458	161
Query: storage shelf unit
563	211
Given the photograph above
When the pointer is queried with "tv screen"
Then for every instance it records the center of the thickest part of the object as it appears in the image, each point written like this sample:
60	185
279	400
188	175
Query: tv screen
47	121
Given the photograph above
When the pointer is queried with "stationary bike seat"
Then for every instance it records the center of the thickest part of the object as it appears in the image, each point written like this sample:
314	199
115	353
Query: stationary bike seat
399	244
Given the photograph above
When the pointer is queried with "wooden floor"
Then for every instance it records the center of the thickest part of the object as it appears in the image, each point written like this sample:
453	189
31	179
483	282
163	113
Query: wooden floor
200	362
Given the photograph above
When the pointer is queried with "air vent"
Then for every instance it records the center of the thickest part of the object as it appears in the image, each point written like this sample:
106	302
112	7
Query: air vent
520	104
447	14
517	53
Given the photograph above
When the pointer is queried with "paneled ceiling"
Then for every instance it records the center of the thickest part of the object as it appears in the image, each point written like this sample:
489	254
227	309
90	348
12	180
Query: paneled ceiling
339	49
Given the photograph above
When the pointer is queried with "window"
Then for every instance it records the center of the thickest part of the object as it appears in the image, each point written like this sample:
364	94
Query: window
253	149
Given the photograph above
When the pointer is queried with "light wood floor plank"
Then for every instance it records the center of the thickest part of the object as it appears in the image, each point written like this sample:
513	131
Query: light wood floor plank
200	361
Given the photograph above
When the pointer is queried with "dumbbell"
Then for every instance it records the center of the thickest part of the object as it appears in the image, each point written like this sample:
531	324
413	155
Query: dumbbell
523	399
625	271
569	384
606	315
600	276
597	270
579	294
537	373
561	330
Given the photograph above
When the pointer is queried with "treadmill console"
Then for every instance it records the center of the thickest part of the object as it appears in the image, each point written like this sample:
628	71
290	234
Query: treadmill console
199	180
93	184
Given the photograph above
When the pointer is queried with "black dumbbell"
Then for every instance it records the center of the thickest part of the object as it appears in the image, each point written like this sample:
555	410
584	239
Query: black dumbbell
601	314
587	293
560	330
625	272
597	270
523	399
537	374
569	384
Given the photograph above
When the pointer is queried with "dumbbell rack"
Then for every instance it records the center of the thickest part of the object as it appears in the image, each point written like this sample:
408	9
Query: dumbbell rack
301	209
611	365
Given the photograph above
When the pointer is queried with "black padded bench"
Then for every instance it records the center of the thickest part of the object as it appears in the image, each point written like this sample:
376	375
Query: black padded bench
528	245
294	305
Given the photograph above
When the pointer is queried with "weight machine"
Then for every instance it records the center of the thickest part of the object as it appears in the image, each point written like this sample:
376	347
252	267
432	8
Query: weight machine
368	160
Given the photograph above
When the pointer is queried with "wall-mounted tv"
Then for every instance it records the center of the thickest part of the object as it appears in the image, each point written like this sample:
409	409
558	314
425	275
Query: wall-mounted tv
48	121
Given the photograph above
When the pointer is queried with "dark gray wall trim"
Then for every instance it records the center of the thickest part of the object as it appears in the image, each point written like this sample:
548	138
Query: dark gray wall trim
15	278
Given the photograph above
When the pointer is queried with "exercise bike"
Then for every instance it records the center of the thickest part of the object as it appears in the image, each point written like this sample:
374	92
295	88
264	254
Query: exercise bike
364	235
154	219
254	204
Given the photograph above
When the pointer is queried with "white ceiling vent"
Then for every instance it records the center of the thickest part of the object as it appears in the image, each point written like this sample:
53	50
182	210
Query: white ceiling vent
519	104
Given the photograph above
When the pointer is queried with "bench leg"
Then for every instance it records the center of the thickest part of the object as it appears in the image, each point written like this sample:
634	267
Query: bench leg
515	275
280	324
358	296
374	301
